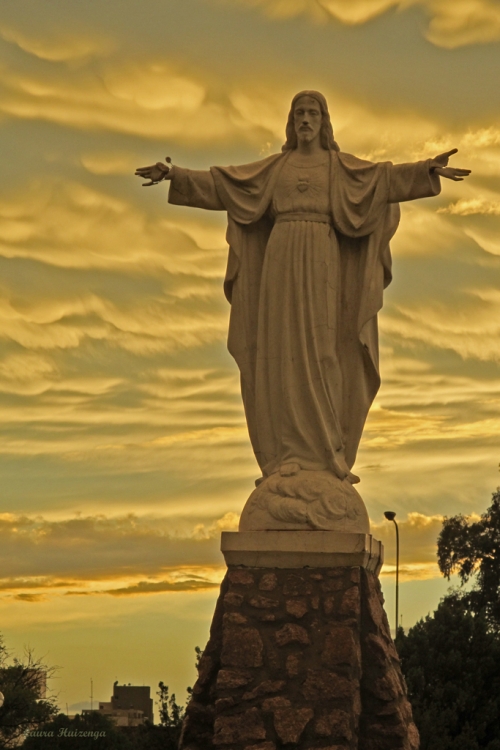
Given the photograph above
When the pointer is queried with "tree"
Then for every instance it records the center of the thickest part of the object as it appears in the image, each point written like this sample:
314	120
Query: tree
24	707
472	548
171	714
451	660
451	663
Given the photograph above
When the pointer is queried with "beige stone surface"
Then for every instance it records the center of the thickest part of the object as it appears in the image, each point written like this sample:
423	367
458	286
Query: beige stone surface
309	258
308	232
305	500
299	549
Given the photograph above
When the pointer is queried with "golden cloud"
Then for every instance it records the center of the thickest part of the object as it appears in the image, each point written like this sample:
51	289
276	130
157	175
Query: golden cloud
160	587
87	555
60	48
452	23
472	207
31	598
472	331
146	98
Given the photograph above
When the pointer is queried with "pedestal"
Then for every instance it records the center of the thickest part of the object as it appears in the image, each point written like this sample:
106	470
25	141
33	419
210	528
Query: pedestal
300	653
302	549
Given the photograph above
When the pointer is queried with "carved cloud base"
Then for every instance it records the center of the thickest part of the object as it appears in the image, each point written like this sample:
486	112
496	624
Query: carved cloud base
294	498
299	658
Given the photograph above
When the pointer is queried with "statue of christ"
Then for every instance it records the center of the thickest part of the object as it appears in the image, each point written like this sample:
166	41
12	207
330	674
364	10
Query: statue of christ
308	234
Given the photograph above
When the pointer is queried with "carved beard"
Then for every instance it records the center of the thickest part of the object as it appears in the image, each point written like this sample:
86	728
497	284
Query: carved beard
305	135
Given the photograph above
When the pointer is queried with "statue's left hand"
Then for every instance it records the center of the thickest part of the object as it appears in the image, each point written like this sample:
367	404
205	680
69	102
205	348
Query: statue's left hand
155	173
439	165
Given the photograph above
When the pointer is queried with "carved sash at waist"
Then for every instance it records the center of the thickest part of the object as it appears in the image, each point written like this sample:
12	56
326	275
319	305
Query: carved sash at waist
303	216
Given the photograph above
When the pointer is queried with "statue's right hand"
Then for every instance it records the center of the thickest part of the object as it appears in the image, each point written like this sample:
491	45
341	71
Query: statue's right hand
155	173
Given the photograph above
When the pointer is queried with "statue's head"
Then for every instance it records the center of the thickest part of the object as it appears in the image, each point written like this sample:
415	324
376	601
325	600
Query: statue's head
307	101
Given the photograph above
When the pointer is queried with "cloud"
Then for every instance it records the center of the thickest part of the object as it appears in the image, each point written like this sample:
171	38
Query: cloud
160	587
147	283
31	598
452	23
138	555
150	98
59	48
472	207
119	556
106	163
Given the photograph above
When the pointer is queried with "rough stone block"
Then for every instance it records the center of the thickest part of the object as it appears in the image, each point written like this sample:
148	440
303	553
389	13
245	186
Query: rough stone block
296	607
241	577
333	584
234	618
244	727
263	602
322	684
270	704
387	688
291	722
268	617
269	686
242	647
328	604
335	724
340	647
291	633
205	669
222	704
292	665
229	679
351	605
297	585
268	582
377	648
232	599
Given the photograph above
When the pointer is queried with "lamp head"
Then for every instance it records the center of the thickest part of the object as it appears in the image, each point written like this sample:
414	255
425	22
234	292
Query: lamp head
390	515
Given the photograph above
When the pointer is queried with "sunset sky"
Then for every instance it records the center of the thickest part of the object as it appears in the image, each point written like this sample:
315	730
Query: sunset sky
123	447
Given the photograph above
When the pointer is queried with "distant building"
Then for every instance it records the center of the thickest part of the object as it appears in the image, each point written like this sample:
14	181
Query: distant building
130	705
121	717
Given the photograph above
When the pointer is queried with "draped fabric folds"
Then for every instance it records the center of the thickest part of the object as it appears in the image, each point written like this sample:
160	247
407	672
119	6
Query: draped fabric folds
363	199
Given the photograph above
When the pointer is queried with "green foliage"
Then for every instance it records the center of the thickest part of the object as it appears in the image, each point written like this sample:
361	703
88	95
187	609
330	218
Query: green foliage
451	662
23	709
472	549
171	716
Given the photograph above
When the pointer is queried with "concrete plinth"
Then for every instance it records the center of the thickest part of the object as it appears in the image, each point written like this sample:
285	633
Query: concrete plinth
302	549
299	657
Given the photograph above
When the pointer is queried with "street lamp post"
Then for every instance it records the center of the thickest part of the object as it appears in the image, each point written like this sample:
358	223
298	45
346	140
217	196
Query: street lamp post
391	516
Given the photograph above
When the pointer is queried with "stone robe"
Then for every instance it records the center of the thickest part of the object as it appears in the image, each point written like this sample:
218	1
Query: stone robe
309	259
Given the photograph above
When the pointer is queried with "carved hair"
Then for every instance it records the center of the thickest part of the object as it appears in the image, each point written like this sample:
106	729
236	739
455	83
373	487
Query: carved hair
326	136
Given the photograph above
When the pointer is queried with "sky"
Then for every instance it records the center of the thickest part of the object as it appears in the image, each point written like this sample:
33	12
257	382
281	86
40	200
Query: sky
123	445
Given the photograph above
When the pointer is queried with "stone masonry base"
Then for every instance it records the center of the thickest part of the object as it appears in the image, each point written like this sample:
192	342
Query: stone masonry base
299	658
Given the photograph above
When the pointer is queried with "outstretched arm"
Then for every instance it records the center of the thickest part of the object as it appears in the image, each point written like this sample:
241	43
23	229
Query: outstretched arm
421	179
188	187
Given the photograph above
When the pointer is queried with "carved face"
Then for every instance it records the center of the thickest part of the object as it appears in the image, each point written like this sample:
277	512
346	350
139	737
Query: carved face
307	119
